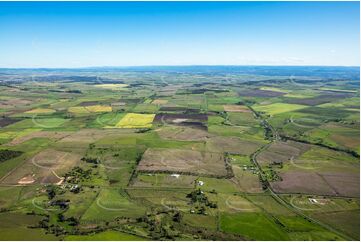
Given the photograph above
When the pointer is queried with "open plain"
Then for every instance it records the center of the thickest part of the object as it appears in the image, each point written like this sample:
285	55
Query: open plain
110	155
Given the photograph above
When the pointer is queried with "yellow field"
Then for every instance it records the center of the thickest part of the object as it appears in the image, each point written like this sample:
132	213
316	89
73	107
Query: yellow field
336	90
90	109
17	134
41	110
136	120
299	95
274	89
112	86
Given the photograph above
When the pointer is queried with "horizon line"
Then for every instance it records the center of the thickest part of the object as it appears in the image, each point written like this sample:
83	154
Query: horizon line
190	65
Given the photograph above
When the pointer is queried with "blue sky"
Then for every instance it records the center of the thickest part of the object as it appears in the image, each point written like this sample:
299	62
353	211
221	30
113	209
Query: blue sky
78	34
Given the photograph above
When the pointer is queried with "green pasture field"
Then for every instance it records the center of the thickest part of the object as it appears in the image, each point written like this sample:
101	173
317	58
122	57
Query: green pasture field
195	220
270	205
242	119
9	196
301	94
275	89
351	102
80	202
107	120
215	120
111	204
327	154
215	107
277	108
145	108
225	130
14	226
217	185
106	235
252	225
348	221
240	160
336	135
29	148
337	90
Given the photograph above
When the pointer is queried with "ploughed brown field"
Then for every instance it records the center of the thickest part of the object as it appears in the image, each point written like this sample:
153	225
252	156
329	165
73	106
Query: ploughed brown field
182	161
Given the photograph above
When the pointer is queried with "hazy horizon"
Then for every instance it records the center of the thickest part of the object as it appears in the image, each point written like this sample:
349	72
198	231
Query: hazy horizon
191	65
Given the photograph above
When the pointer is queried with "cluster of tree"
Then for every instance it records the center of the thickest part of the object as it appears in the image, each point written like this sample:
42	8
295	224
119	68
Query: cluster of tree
9	154
268	133
198	196
143	130
51	191
62	203
271	175
91	160
65	91
71	221
188	173
78	174
264	182
161	224
278	164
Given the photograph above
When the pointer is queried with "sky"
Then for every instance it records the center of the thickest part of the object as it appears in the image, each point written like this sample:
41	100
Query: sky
86	34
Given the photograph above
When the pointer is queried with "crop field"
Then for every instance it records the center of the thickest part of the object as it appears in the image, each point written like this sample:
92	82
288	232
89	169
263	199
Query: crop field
178	155
135	120
40	111
190	161
112	86
90	109
231	145
236	108
336	135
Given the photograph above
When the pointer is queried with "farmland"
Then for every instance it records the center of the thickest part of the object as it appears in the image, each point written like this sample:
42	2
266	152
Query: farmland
179	155
134	120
